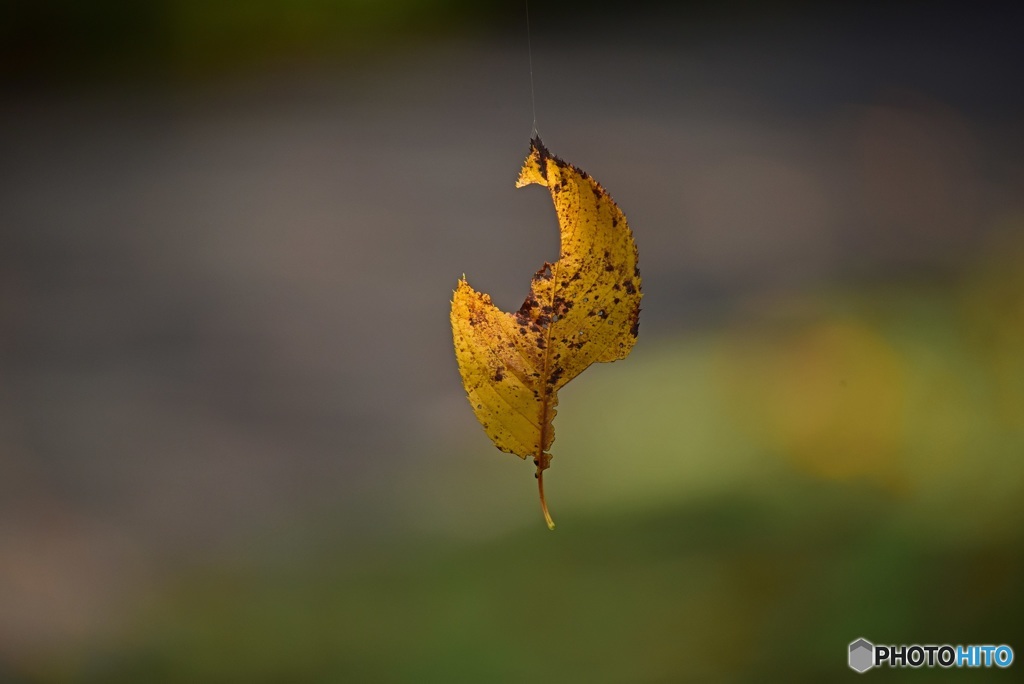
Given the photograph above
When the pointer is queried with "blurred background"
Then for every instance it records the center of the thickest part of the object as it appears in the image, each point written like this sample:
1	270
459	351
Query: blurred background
234	446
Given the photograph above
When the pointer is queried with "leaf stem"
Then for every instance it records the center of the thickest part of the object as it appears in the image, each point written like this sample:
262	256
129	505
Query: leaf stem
543	501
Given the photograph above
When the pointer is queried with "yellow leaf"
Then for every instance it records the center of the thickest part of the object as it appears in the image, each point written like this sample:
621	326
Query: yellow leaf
581	309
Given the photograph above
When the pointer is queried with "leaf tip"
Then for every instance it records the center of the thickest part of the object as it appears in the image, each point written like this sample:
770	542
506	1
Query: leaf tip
536	145
535	167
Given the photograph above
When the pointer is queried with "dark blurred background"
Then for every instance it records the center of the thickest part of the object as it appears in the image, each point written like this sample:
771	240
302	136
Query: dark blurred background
234	446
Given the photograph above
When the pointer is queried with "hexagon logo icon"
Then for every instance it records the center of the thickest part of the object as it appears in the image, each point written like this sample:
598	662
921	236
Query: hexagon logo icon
862	655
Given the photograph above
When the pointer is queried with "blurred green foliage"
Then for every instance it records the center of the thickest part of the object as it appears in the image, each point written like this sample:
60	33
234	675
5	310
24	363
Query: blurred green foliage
721	589
190	38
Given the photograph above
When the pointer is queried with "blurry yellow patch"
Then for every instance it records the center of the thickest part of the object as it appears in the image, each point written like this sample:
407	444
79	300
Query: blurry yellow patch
830	397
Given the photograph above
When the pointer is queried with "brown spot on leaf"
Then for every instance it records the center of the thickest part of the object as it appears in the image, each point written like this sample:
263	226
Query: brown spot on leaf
529	303
634	322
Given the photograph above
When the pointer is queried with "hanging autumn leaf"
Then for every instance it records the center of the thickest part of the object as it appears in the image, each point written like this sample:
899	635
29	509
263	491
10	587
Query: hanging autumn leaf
581	309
